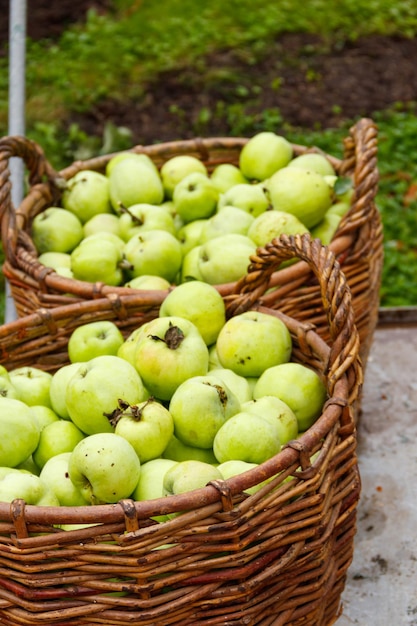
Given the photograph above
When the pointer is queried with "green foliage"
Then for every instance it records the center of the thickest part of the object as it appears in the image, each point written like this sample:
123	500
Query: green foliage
118	54
396	198
64	147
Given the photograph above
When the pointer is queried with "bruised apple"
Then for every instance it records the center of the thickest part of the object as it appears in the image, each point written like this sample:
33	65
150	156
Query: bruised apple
170	351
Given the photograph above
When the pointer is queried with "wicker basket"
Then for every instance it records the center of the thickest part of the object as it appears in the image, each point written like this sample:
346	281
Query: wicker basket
357	242
277	557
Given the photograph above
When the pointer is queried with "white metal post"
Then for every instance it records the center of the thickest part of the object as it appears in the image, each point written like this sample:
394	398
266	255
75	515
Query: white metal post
16	121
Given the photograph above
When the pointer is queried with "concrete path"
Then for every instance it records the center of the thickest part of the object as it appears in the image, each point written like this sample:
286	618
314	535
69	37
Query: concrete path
382	581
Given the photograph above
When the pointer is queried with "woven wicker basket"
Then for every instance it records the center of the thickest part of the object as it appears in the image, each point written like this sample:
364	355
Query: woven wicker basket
278	557
357	242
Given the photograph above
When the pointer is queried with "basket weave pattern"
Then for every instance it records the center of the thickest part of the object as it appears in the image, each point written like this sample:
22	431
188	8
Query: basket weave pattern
276	558
357	242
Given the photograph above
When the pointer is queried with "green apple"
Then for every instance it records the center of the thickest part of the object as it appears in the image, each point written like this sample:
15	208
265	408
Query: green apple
251	342
314	162
190	265
58	389
87	194
252	380
187	476
151	481
60	436
201	304
226	175
44	415
149	282
9	470
140	217
331	181
19	432
7	389
228	219
134	181
28	487
176	450
225	259
143	159
171	351
195	197
128	348
246	437
272	224
228	469
326	229
302	193
104	467
264	154
32	384
56	230
169	206
178	167
65	271
94	339
300	387
4	371
154	252
189	235
55	260
245	196
148	426
239	385
271	407
95	389
150	485
29	465
112	238
179	222
338	208
102	223
55	475
120	156
97	260
199	407
214	362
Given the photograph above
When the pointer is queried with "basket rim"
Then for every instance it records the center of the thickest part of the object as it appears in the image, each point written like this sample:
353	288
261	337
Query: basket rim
17	240
209	494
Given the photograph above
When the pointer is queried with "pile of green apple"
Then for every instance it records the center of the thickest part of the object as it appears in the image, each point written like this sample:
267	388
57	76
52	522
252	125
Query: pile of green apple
186	398
139	226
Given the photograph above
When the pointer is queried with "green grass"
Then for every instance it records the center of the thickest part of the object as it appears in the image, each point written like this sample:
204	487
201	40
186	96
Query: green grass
396	198
124	52
120	53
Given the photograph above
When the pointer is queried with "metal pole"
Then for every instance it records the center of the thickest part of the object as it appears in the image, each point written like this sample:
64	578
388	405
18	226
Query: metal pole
17	96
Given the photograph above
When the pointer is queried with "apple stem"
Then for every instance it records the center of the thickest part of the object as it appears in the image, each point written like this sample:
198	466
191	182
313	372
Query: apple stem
117	413
173	337
125	264
129	410
135	219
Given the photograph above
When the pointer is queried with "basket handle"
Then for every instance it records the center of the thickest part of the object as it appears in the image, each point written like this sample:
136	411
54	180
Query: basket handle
360	162
334	289
34	158
40	173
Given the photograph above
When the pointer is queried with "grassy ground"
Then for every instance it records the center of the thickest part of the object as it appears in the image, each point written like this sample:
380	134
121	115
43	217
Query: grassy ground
396	199
90	63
